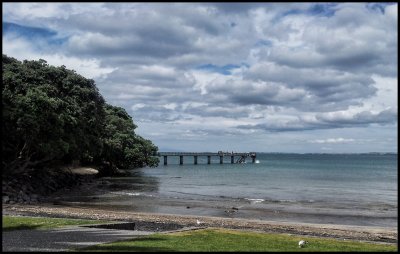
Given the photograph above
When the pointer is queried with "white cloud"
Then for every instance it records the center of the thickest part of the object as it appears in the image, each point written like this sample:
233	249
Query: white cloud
299	72
392	13
333	141
87	67
138	106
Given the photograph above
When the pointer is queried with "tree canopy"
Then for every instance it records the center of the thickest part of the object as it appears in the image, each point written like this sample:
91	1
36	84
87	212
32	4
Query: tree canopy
52	115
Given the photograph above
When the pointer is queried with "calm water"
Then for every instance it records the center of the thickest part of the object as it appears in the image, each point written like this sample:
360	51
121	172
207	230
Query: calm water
353	189
363	180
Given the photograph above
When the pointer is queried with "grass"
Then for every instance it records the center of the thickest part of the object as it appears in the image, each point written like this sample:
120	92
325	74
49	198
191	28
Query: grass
234	240
201	240
21	222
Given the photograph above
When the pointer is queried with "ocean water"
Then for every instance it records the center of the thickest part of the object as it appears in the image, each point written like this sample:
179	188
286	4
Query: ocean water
350	189
363	180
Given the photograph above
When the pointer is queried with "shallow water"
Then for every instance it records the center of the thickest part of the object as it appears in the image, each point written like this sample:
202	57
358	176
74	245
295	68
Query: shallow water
349	189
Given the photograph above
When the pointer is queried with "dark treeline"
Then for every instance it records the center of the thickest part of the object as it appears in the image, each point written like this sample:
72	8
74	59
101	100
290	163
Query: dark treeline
53	116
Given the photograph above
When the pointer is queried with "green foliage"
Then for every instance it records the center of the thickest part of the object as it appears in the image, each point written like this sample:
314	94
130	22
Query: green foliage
122	147
21	222
52	115
216	240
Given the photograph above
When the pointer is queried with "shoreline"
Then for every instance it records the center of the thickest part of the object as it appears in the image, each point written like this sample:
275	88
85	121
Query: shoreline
138	193
348	232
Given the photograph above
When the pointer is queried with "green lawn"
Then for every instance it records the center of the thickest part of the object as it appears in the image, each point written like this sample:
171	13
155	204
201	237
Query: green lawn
22	222
200	240
234	240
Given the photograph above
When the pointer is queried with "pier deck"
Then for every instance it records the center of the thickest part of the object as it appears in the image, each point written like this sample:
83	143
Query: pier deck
242	156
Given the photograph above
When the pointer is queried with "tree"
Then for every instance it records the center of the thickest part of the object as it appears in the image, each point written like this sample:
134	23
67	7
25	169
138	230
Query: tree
122	148
52	115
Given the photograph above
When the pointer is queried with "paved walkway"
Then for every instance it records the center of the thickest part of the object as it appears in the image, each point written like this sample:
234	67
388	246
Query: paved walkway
63	239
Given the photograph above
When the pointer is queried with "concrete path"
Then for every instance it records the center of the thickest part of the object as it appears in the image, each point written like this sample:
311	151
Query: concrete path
63	239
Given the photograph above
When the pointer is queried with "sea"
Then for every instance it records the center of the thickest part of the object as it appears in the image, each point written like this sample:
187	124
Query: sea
345	189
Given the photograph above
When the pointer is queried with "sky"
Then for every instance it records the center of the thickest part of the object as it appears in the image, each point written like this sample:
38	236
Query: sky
205	77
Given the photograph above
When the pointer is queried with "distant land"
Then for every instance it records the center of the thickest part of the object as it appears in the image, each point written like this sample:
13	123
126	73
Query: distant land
178	150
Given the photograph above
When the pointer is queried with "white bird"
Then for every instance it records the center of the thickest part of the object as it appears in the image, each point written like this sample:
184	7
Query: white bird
198	222
302	243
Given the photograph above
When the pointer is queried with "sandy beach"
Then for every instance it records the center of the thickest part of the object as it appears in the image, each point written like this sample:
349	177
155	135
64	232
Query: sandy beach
361	233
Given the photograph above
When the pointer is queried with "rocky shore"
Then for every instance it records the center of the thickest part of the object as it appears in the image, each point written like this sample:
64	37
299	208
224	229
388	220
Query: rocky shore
36	186
374	234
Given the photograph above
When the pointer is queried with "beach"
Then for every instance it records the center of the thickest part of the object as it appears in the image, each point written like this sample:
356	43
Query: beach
361	233
335	196
354	190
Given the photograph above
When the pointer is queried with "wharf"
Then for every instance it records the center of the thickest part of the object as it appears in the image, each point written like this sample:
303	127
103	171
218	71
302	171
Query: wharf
241	156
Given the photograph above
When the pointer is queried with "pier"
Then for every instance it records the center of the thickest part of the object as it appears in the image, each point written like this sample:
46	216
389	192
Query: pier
241	157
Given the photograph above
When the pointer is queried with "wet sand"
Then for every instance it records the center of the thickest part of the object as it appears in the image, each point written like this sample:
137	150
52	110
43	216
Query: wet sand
97	200
128	194
360	233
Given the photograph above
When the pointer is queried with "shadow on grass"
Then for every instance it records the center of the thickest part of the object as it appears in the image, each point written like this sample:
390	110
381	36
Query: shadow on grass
126	249
145	239
20	227
116	246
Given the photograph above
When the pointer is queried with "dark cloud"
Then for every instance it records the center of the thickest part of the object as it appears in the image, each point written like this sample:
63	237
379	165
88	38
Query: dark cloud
150	75
304	89
330	121
227	110
156	114
237	7
387	116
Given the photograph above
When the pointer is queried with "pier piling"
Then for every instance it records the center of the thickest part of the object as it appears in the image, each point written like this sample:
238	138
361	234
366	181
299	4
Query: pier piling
221	155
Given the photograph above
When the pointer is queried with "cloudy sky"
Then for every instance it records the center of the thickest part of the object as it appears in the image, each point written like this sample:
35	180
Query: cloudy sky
267	77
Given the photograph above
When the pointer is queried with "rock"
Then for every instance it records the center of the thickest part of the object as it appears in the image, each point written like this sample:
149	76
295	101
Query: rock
6	199
11	188
26	197
16	186
30	188
230	211
8	193
41	189
33	186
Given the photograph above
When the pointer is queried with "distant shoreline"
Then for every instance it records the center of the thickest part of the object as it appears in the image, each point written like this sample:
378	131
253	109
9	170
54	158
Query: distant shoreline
311	153
361	233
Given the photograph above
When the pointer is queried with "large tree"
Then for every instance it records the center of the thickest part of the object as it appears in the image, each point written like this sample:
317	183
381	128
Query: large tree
52	115
122	147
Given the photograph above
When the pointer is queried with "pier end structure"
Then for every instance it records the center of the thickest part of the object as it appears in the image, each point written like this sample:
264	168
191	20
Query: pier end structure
242	156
